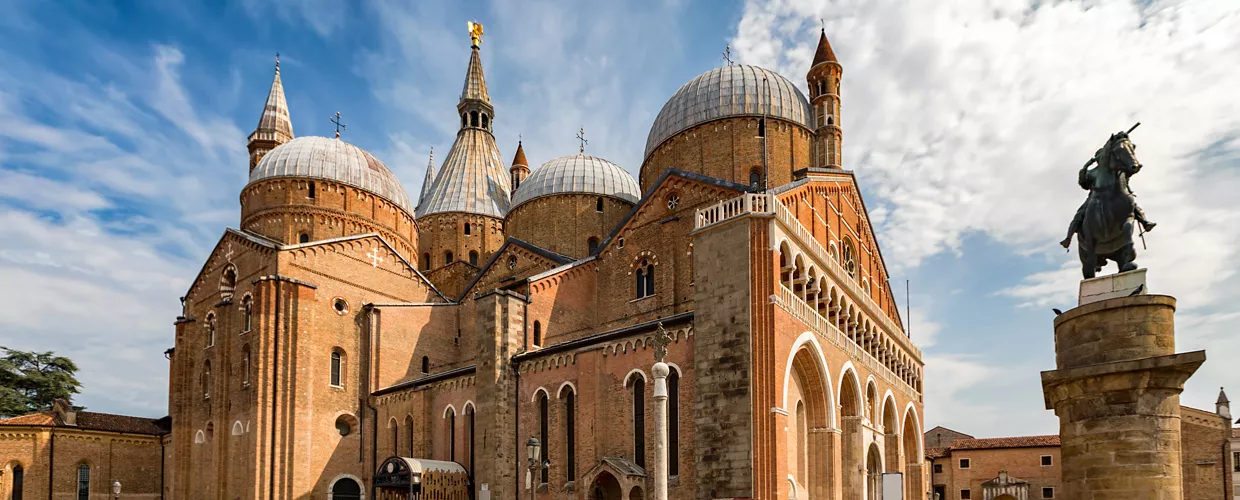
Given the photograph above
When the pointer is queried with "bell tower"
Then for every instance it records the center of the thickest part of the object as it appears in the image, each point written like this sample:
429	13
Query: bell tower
824	90
274	126
520	168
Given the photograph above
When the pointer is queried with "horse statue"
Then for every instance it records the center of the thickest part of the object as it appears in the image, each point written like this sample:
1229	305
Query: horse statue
1104	223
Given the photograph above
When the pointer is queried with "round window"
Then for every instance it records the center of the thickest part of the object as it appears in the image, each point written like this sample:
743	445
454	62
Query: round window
512	261
342	426
340	305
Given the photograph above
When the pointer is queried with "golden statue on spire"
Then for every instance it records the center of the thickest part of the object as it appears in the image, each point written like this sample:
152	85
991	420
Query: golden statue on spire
475	33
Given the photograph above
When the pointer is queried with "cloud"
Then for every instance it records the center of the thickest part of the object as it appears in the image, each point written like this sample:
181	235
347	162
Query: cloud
325	17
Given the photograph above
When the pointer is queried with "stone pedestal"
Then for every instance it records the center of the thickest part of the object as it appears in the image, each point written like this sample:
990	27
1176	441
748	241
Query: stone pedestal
1117	394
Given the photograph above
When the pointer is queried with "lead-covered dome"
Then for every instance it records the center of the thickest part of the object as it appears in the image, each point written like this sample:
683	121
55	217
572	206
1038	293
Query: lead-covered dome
578	174
732	90
333	160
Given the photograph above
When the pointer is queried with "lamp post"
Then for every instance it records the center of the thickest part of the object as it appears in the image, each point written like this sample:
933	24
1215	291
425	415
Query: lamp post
534	448
660	371
116	489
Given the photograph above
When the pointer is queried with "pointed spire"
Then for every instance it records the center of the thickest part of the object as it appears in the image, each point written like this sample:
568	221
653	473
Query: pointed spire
275	119
430	177
519	158
475	84
1222	397
824	52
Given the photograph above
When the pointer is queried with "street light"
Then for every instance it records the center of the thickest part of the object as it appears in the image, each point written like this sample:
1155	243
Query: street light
116	489
534	448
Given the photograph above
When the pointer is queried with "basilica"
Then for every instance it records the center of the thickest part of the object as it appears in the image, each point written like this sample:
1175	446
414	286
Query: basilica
343	322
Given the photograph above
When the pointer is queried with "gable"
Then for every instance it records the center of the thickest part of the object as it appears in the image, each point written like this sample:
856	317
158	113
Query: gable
691	189
233	248
514	262
366	261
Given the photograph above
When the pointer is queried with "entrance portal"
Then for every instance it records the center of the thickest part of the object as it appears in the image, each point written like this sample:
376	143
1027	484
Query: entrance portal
605	487
346	489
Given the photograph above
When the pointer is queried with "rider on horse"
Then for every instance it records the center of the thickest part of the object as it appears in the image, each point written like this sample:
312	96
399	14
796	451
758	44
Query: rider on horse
1087	178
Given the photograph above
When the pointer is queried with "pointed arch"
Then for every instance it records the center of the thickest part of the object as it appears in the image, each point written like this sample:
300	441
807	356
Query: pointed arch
809	342
849	391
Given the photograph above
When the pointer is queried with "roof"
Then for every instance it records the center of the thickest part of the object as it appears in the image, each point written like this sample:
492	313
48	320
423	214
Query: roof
275	124
472	178
1005	442
824	52
475	83
429	179
1222	397
334	160
933	453
724	92
519	158
578	173
89	420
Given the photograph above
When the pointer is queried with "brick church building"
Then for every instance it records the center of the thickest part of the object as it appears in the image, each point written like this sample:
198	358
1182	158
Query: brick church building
343	322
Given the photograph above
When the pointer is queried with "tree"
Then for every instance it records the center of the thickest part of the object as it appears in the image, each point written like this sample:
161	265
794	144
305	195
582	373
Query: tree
30	381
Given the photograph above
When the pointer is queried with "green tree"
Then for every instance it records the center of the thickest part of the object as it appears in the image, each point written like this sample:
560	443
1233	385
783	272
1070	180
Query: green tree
30	381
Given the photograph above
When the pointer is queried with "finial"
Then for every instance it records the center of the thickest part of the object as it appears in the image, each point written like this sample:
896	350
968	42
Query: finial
432	161
823	22
277	62
661	340
727	54
581	136
475	34
335	119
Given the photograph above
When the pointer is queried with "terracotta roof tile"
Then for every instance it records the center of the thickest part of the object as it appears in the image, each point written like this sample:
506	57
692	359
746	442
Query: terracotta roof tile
90	420
933	453
824	52
1006	442
31	419
519	158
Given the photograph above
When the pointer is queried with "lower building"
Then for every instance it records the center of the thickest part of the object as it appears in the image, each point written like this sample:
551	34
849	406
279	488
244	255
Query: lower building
82	455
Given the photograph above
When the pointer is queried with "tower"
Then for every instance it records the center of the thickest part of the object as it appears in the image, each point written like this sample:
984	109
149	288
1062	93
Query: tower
274	126
1223	405
429	180
824	90
520	167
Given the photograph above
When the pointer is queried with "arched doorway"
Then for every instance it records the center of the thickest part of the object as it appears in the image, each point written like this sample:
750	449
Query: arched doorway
346	489
874	473
19	478
852	454
635	493
807	399
913	464
605	487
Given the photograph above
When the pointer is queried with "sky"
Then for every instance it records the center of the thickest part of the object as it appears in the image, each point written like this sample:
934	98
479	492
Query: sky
123	129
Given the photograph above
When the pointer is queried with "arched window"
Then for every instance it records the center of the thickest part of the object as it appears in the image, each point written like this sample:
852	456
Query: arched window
337	375
598	204
245	365
426	261
210	431
395	436
570	431
473	258
210	330
451	434
409	436
673	423
755	178
473	118
83	482
537	334
645	279
467	229
486	121
303	238
228	283
848	259
463	120
310	191
426	365
344	424
346	489
247	313
447	258
650	280
592	243
544	421
469	434
206	379
19	477
638	386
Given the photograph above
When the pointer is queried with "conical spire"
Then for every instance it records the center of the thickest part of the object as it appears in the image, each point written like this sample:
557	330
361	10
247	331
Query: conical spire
824	52
430	177
519	158
475	84
275	119
1222	397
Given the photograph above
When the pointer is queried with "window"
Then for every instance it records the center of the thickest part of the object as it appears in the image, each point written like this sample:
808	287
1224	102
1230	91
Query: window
645	279
210	330
473	118
938	468
570	431
485	120
447	258
19	477
473	258
673	201
598	204
83	490
245	366
335	370
247	313
340	305
1046	460
206	380
469	434
964	463
755	178
673	423
409	436
544	419
537	334
849	260
620	243
426	262
303	238
592	243
344	426
1235	462
512	261
639	421
467	229
464	122
451	434
395	435
426	365
310	191
966	495
346	489
1048	492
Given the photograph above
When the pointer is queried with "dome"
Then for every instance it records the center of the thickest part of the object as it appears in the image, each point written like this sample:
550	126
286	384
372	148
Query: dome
333	160
732	90
578	174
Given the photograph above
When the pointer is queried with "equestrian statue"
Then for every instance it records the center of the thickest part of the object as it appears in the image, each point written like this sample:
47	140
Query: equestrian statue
1103	225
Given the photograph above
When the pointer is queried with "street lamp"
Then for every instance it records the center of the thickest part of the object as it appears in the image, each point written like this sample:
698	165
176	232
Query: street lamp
535	449
116	489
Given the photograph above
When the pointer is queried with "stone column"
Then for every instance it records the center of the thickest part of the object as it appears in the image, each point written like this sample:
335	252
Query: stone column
660	372
1116	392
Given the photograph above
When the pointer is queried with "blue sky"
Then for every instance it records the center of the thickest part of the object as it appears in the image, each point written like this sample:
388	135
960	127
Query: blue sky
122	150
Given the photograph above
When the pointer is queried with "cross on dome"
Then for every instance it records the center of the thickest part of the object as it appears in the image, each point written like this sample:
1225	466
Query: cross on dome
581	136
335	119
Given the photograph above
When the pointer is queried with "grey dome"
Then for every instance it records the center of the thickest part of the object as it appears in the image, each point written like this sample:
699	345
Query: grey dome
578	174
732	90
333	160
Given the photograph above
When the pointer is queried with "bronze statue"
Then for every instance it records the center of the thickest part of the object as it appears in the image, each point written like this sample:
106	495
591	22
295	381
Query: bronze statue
1103	224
